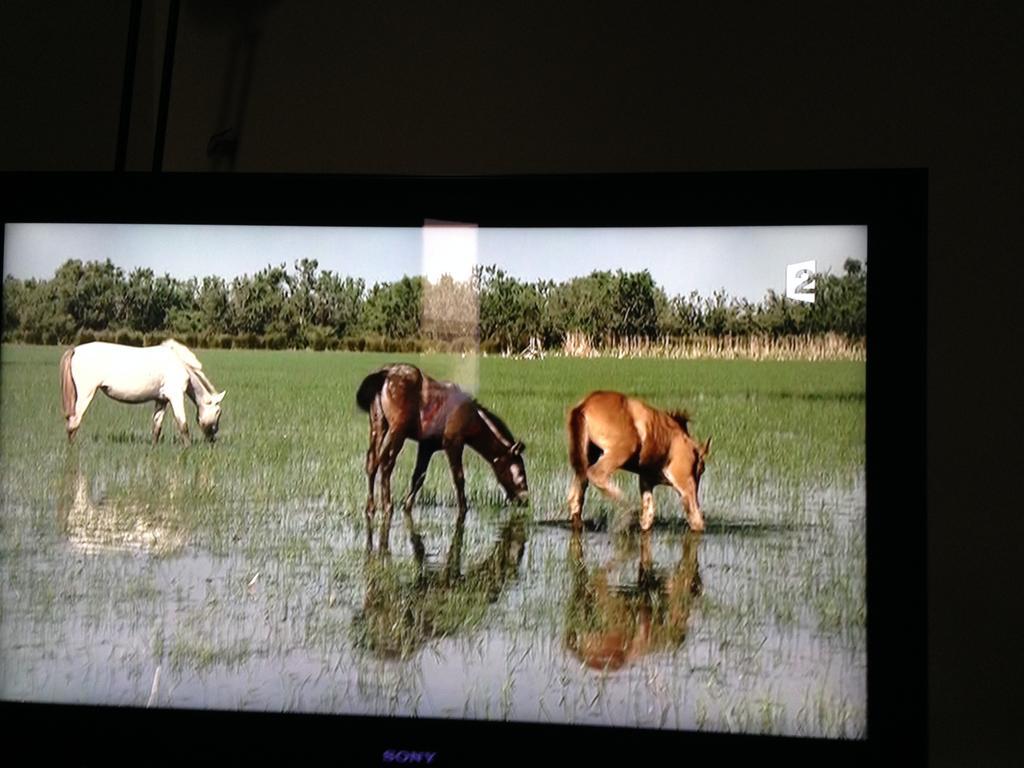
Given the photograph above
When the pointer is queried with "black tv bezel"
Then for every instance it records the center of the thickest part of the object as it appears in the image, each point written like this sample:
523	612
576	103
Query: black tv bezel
891	203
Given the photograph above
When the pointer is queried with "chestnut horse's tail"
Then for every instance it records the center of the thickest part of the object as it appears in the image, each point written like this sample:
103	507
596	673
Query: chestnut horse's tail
578	440
370	388
68	389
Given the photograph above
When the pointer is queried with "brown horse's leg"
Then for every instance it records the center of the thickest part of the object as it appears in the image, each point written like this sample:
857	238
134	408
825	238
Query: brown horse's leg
647	498
419	474
454	453
389	453
453	562
378	429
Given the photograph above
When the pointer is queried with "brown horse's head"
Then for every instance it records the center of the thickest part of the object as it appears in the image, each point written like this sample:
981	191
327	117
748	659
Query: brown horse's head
510	470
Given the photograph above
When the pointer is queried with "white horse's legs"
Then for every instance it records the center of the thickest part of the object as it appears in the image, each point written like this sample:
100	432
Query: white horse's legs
85	397
177	401
158	419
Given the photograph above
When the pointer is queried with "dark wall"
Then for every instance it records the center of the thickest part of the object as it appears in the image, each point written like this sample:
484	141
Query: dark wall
579	86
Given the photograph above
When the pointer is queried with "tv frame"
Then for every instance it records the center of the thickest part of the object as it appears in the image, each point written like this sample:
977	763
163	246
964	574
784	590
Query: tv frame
893	206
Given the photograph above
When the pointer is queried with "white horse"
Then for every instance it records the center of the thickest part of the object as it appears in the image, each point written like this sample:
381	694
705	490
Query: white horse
163	374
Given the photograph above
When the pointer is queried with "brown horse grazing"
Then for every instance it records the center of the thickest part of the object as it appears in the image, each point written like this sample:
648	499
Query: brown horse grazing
404	403
610	431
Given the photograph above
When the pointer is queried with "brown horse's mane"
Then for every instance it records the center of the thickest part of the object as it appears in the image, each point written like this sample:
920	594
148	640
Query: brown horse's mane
682	418
501	425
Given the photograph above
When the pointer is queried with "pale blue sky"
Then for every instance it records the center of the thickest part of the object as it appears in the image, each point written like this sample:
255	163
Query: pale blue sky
745	261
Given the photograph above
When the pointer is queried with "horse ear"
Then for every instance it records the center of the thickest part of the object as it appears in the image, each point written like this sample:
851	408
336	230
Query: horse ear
518	448
704	449
218	397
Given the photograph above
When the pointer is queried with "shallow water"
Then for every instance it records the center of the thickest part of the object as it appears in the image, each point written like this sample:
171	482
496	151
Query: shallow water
536	623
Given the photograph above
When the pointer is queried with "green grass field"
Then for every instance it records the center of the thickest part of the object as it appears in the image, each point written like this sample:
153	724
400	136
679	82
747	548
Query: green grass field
238	568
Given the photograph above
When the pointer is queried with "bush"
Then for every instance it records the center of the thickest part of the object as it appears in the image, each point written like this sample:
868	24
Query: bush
128	337
247	341
464	344
491	347
275	340
84	336
316	337
224	341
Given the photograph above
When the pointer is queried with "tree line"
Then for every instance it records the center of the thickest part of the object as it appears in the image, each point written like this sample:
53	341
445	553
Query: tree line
309	307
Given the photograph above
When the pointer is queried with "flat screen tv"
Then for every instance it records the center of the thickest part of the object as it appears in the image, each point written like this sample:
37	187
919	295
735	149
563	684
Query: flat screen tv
463	471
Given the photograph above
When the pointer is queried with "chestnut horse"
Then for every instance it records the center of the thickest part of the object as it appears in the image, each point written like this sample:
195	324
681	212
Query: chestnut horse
610	431
404	403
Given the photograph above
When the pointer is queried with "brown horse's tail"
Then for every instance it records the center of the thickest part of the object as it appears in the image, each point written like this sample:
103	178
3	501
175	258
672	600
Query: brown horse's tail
370	388
68	389
578	440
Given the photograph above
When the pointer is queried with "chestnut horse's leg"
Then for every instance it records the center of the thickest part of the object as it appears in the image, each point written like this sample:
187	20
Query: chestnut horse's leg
600	474
686	487
647	497
578	442
577	494
454	453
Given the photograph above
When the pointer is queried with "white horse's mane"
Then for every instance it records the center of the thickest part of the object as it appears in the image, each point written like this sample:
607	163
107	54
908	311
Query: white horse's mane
186	355
191	362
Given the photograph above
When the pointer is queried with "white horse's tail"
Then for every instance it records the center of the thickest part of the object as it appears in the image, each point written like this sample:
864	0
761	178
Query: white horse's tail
68	388
191	362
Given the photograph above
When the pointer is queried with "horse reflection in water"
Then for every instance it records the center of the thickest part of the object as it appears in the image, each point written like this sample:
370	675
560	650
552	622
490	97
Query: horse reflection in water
94	523
610	626
400	615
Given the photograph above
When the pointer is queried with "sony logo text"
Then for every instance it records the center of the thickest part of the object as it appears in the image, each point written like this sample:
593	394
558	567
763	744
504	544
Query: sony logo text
408	756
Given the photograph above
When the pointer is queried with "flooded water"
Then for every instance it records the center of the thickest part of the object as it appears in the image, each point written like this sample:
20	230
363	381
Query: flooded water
749	626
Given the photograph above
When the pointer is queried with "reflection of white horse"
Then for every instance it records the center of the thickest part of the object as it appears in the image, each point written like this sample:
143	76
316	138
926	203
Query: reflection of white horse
163	374
99	526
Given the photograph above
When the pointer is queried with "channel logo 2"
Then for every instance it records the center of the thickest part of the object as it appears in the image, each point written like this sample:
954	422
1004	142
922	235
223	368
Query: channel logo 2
800	281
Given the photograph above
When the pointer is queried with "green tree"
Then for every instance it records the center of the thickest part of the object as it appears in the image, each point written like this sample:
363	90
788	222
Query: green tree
213	306
393	310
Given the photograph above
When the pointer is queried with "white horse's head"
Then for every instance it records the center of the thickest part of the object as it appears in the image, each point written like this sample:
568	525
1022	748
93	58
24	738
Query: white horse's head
209	413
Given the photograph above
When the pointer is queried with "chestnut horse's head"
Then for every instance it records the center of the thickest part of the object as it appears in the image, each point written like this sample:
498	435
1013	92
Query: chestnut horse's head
684	471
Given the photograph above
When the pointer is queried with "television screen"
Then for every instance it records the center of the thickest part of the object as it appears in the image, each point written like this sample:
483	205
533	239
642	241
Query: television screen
592	473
